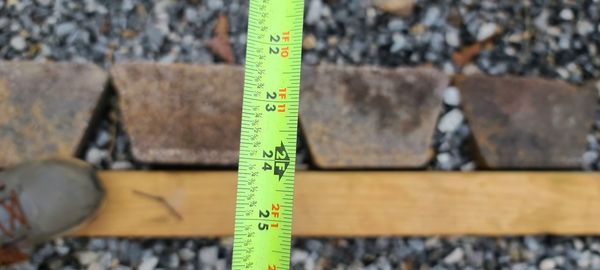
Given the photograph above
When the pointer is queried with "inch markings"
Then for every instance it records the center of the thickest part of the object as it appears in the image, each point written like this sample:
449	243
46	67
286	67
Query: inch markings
263	219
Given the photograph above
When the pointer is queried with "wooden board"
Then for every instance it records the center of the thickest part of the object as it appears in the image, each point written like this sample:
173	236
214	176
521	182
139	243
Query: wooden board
359	204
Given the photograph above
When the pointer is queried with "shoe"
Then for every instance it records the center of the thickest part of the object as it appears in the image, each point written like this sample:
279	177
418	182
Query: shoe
41	200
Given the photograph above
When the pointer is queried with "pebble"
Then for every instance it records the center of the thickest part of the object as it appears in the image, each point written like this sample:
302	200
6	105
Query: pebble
432	15
186	254
95	156
95	266
309	42
567	14
455	256
299	256
400	43
221	264
173	261
396	25
452	96
121	165
589	159
451	121
103	138
65	29
486	31
208	255
592	142
469	166
547	264
313	13
18	43
584	27
471	69
444	161
87	257
453	38
148	263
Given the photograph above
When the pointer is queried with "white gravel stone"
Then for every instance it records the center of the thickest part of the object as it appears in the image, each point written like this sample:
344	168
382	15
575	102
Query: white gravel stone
299	256
444	161
453	38
585	260
103	138
452	96
96	155
471	69
589	157
221	264
208	255
95	266
173	261
148	263
87	257
584	27
455	256
563	72
486	31
451	121
121	165
567	14
592	141
18	43
547	264
469	166
314	12
186	254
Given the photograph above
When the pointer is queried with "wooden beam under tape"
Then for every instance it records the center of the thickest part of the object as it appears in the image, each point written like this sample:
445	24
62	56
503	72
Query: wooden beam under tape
358	204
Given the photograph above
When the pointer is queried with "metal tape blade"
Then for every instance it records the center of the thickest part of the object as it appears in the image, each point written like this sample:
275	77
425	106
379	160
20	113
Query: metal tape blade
263	219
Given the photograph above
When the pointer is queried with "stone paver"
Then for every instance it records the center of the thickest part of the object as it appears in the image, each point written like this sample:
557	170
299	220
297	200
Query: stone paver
370	117
528	123
45	108
181	114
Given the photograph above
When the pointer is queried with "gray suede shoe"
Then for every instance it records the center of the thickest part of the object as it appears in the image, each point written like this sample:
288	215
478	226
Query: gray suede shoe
44	199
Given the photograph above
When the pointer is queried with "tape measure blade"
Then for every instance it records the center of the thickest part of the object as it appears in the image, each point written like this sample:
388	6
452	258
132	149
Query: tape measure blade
264	204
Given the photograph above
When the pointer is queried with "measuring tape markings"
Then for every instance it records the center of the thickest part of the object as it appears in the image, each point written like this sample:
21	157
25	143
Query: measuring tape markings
264	204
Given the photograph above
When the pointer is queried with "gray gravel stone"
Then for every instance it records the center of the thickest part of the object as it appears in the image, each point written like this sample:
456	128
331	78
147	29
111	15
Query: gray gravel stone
65	29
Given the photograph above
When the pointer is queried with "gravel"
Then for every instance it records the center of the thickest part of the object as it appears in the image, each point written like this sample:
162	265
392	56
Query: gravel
552	39
515	253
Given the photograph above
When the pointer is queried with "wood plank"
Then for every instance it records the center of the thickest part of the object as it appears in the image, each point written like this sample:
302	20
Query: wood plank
360	204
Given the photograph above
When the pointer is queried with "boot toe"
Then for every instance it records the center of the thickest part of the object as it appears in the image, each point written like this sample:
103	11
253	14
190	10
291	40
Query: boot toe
57	195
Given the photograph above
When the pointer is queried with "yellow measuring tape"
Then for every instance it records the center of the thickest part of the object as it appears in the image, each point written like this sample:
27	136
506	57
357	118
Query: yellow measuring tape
265	193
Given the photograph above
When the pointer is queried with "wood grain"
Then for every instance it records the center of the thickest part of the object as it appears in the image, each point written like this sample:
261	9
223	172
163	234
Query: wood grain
359	204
